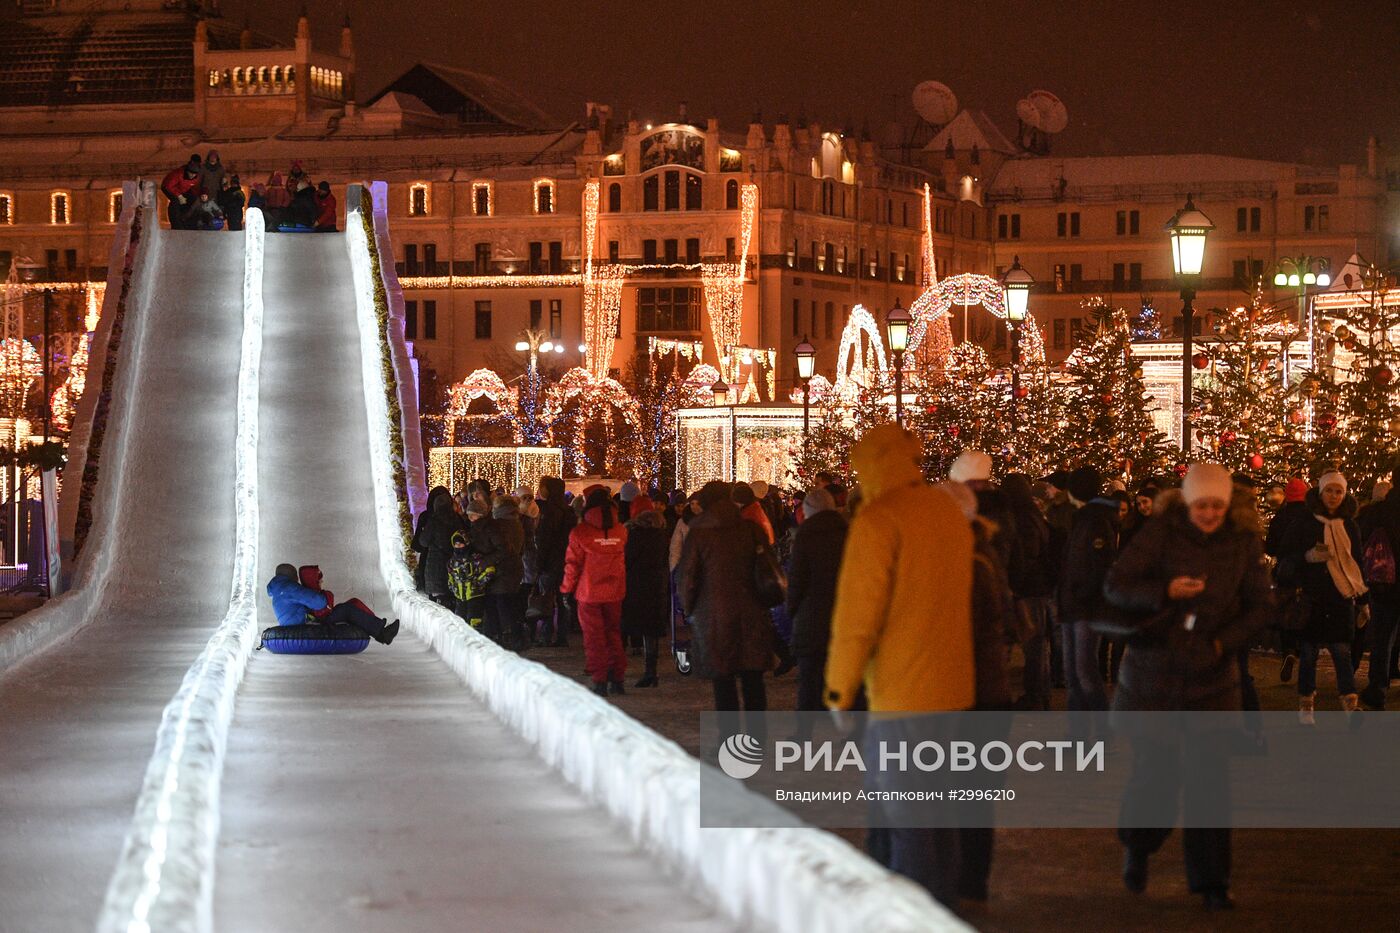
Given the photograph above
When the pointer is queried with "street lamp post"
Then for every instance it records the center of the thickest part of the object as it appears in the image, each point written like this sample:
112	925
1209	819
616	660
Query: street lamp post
806	365
1187	231
1017	282
721	392
1298	272
897	326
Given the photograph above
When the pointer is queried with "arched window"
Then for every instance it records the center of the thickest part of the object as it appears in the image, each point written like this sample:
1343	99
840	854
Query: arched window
614	198
650	189
731	195
693	191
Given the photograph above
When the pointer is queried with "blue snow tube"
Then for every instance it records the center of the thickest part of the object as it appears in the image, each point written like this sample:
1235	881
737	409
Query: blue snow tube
312	638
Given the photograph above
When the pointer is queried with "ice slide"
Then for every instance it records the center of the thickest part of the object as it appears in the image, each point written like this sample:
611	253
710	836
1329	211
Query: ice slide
436	784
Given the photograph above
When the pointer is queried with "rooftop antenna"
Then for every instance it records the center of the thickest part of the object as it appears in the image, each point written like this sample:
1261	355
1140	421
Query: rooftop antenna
1040	115
935	105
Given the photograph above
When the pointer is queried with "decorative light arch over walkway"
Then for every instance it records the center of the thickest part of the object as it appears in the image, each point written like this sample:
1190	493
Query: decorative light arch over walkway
854	355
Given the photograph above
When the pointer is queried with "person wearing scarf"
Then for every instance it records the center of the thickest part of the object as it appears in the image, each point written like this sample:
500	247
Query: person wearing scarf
1324	556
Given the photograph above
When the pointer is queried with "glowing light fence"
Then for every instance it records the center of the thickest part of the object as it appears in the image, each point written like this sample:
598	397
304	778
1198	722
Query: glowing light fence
773	879
164	879
736	444
503	467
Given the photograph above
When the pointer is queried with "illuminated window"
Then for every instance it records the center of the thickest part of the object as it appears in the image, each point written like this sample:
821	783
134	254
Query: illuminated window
7	208
59	208
419	203
481	198
114	206
544	196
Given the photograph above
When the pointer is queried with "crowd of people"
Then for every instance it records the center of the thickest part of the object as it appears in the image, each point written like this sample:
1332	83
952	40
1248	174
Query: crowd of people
902	596
203	194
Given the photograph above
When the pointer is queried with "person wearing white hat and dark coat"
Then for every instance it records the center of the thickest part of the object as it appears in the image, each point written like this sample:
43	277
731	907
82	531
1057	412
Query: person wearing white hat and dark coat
1196	576
1324	556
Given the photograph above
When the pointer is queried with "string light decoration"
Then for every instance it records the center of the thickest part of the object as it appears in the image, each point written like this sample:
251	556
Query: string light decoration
938	299
857	360
602	304
20	367
819	386
482	383
590	227
563	280
700	382
597	401
928	276
64	403
503	467
724	287
738	444
687	349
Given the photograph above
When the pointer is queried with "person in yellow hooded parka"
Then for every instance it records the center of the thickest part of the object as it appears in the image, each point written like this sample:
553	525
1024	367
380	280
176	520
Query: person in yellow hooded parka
902	622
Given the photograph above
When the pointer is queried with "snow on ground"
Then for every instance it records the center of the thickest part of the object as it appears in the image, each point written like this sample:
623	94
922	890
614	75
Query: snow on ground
373	792
77	723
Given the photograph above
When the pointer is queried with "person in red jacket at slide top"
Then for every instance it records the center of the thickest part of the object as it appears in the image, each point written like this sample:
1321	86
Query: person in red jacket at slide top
181	186
595	574
325	208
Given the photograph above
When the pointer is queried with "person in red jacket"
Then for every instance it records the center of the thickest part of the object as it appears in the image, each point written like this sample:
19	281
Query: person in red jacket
325	208
595	574
181	186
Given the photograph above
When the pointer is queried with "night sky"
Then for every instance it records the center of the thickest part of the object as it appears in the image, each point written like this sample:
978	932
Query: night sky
1306	81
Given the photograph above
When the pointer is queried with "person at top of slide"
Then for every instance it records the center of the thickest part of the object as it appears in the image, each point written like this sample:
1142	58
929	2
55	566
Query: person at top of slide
297	601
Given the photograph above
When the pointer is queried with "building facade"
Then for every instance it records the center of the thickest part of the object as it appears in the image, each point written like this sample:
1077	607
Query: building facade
493	217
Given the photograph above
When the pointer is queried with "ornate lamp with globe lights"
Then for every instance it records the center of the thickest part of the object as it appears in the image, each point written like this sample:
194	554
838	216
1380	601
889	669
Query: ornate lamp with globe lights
1187	231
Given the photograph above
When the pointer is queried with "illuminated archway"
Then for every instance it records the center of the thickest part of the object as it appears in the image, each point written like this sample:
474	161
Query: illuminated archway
856	357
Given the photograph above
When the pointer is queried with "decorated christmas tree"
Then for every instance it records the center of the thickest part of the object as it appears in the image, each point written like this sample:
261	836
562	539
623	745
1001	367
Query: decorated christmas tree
1241	405
1147	325
1034	447
961	408
1352	394
828	444
1108	422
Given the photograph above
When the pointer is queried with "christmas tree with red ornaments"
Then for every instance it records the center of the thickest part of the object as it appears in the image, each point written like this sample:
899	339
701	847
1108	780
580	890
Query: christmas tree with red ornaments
961	408
1108	415
1352	393
1241	411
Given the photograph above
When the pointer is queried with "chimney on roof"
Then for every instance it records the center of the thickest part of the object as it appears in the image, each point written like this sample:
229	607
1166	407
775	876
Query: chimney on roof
347	40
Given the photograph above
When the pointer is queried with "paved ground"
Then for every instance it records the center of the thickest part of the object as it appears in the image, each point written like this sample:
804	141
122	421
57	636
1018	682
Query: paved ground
1067	880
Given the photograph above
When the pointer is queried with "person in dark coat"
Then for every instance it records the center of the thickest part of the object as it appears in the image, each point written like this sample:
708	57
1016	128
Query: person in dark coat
1293	509
231	202
500	540
817	546
1089	553
646	605
734	639
1382	517
1197	572
1032	578
442	523
420	537
1324	557
551	541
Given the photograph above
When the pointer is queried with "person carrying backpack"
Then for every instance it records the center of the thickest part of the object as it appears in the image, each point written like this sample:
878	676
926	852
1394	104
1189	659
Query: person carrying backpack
1380	533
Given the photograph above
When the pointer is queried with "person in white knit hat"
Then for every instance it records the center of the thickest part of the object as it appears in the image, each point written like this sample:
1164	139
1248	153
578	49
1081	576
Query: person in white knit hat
1324	557
1194	577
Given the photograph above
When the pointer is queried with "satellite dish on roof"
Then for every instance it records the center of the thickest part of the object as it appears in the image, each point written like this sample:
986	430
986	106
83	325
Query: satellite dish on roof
1027	113
1053	115
935	102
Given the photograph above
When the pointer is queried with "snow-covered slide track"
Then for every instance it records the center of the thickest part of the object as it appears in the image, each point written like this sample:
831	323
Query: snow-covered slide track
77	719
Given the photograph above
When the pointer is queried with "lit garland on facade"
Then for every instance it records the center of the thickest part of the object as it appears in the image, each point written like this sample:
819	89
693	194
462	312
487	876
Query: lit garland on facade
602	302
724	287
688	349
565	280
